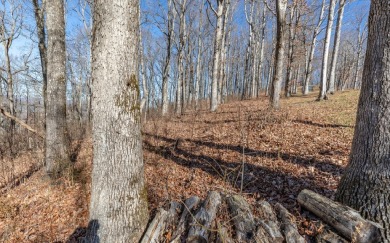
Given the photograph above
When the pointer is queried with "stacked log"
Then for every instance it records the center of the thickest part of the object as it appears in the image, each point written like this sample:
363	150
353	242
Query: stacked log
229	218
196	221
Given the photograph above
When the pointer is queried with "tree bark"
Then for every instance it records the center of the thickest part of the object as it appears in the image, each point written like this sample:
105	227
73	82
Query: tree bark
365	185
345	220
118	209
335	53
217	55
281	6
57	157
324	70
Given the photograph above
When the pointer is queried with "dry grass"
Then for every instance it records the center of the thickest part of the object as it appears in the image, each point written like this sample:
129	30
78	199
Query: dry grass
305	145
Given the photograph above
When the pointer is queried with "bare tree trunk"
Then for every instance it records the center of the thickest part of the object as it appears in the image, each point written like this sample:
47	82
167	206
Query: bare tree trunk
167	64
217	55
199	59
290	55
281	6
118	209
365	185
57	157
312	50
332	75
40	21
145	91
324	70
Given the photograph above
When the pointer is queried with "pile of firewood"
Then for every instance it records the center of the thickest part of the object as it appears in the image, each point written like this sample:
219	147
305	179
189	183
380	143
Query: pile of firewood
196	221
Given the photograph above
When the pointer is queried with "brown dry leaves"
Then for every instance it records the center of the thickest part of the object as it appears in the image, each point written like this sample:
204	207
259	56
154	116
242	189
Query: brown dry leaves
305	145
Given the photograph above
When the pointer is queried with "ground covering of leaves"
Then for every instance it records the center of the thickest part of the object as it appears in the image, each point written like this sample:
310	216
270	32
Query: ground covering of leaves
243	147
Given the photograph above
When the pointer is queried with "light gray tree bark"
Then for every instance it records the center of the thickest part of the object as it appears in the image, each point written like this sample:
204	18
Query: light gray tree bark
217	54
199	58
167	65
281	6
57	157
335	53
118	209
365	184
322	95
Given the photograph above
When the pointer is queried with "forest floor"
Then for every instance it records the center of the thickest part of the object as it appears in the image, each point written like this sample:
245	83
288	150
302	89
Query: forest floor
305	145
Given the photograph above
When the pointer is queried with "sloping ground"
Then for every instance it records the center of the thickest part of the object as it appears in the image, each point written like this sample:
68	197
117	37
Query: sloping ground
267	155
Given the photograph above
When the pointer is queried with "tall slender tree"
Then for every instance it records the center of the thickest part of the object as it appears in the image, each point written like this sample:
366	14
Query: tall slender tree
365	184
335	53
57	157
325	56
118	209
281	6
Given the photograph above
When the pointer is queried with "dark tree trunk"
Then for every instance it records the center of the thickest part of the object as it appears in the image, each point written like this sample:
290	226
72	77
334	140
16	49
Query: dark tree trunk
57	157
365	185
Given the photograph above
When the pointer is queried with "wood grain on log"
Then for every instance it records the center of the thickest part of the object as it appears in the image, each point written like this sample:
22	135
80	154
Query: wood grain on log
156	227
288	225
189	205
243	219
268	229
347	221
201	222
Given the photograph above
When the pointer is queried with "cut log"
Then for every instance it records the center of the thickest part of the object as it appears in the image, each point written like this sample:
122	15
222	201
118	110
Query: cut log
347	221
189	205
328	236
244	222
200	224
288	225
268	229
156	227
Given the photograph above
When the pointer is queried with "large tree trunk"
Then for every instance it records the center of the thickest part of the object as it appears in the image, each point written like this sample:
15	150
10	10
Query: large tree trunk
332	75
118	209
57	143
217	55
325	57
281	6
365	185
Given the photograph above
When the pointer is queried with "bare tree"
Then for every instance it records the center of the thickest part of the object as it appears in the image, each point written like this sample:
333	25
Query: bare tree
281	6
335	53
324	69
10	29
309	63
217	53
57	157
118	209
365	184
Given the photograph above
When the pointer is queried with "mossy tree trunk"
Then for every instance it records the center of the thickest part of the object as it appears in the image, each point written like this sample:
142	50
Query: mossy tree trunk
365	185
118	209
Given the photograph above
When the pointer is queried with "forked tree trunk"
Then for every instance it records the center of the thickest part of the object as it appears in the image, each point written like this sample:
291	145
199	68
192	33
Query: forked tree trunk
118	209
365	185
57	157
281	6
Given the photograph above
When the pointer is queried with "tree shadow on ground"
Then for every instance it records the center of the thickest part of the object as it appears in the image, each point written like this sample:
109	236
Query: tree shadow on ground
322	125
269	183
323	166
